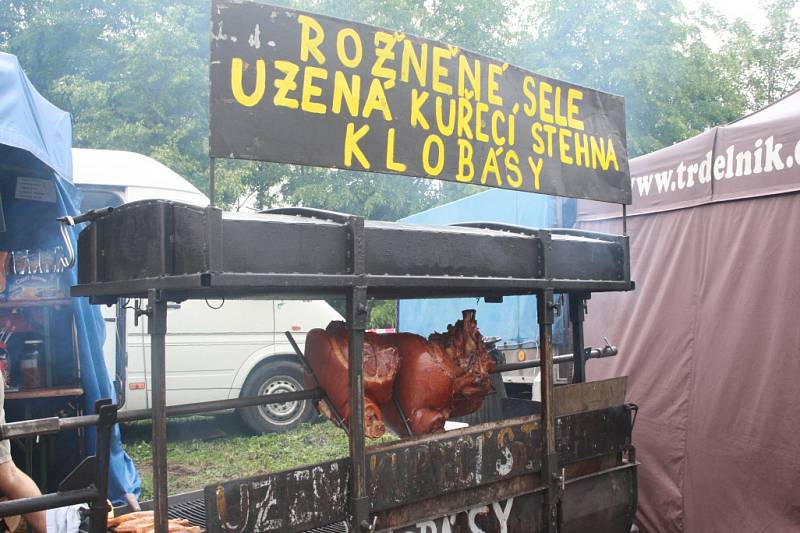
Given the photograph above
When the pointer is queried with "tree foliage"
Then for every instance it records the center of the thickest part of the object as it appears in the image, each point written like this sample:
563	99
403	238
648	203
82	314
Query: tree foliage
650	52
766	62
134	75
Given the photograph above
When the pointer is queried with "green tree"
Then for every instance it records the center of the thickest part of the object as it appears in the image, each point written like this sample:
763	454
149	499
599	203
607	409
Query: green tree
648	51
764	64
134	75
383	314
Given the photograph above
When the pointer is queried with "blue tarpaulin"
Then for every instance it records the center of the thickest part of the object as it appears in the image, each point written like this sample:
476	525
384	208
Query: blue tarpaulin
515	319
36	142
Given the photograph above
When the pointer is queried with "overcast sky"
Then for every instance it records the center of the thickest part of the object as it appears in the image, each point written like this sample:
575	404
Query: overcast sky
748	10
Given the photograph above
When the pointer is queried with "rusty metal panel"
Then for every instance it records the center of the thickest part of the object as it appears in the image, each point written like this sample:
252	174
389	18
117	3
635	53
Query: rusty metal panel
591	396
518	514
449	470
202	251
429	513
295	500
584	435
425	467
603	502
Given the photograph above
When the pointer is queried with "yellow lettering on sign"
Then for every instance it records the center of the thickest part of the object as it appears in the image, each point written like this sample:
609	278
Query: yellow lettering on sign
611	157
493	85
445	129
480	109
411	60
474	77
497	116
581	149
341	48
491	166
564	145
528	86
536	134
384	51
512	165
549	129
545	89
574	95
351	147
376	99
464	117
237	73
433	169
561	120
598	151
391	164
418	99
536	168
309	44
440	71
465	161
349	93
286	84
310	90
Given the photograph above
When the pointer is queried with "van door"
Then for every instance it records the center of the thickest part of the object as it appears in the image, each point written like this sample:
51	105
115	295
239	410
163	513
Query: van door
134	378
138	384
206	344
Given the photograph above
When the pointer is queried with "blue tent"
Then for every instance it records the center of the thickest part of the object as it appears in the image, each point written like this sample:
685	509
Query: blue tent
36	143
514	320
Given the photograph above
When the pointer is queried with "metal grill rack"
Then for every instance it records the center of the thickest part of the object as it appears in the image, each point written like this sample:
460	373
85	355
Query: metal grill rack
168	251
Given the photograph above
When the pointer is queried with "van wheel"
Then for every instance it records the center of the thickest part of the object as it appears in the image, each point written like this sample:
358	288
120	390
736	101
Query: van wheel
275	377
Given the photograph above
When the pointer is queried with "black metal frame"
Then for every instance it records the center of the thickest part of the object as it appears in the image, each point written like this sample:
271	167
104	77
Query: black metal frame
358	286
88	483
553	257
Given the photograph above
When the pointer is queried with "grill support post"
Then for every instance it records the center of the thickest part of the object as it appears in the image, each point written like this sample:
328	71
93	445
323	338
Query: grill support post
550	475
356	324
157	328
107	412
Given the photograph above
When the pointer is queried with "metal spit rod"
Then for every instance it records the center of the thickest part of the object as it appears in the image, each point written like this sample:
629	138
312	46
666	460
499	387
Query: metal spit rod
45	426
589	353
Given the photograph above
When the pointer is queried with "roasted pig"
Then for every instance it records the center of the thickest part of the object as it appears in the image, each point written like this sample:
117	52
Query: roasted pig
431	379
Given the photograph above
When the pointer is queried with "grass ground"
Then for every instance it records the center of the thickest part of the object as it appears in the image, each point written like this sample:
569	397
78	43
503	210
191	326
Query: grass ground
203	450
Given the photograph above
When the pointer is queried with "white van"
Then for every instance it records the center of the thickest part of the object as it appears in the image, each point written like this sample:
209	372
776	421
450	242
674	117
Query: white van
217	349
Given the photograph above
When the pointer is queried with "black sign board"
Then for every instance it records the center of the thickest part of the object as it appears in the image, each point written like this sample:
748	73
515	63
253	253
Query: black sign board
296	87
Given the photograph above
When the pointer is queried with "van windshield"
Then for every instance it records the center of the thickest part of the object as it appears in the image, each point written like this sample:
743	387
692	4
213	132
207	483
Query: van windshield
95	199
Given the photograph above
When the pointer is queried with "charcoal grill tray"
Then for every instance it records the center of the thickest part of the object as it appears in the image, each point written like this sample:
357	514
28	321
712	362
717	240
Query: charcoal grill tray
194	252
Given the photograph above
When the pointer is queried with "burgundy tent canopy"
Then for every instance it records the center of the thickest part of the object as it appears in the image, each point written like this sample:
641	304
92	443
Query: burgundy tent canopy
710	338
